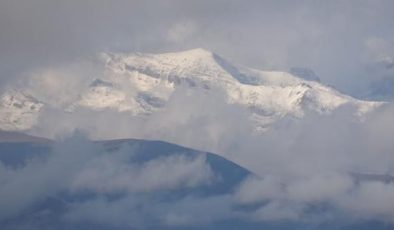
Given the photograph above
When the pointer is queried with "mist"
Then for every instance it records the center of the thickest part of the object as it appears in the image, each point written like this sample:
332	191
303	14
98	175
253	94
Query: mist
297	163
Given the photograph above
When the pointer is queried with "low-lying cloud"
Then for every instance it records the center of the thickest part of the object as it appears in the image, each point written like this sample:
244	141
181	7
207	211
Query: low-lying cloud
300	164
310	171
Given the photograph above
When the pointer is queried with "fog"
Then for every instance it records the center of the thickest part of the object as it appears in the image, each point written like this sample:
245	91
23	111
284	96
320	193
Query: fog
305	171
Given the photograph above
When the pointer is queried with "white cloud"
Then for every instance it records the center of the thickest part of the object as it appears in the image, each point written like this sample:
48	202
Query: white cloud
254	190
320	187
181	32
277	211
371	200
379	50
108	174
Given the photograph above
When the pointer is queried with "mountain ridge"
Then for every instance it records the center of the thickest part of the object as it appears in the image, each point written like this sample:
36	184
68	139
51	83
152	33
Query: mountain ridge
141	84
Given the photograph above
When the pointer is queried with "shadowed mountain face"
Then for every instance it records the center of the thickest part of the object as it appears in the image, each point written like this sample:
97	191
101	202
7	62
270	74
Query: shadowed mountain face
191	175
8	137
132	184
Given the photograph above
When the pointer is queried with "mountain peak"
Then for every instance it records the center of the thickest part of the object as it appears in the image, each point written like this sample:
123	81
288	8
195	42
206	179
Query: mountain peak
197	54
304	73
200	52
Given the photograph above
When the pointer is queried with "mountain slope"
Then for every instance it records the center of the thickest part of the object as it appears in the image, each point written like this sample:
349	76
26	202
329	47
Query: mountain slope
141	84
15	137
18	111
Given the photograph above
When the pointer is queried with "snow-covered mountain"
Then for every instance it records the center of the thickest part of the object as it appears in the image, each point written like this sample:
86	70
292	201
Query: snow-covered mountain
18	111
140	84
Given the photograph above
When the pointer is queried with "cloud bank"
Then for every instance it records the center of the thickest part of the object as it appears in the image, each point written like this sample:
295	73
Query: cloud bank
317	168
300	182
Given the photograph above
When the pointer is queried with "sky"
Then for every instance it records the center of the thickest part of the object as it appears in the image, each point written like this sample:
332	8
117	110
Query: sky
349	44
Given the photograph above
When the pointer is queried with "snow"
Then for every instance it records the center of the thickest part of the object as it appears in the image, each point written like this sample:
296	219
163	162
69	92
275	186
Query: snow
18	111
141	84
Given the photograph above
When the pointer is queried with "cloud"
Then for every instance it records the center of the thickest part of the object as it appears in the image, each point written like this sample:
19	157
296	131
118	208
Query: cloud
193	117
369	200
320	188
42	177
180	32
143	212
304	171
305	164
255	190
116	174
277	211
379	49
300	162
192	211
